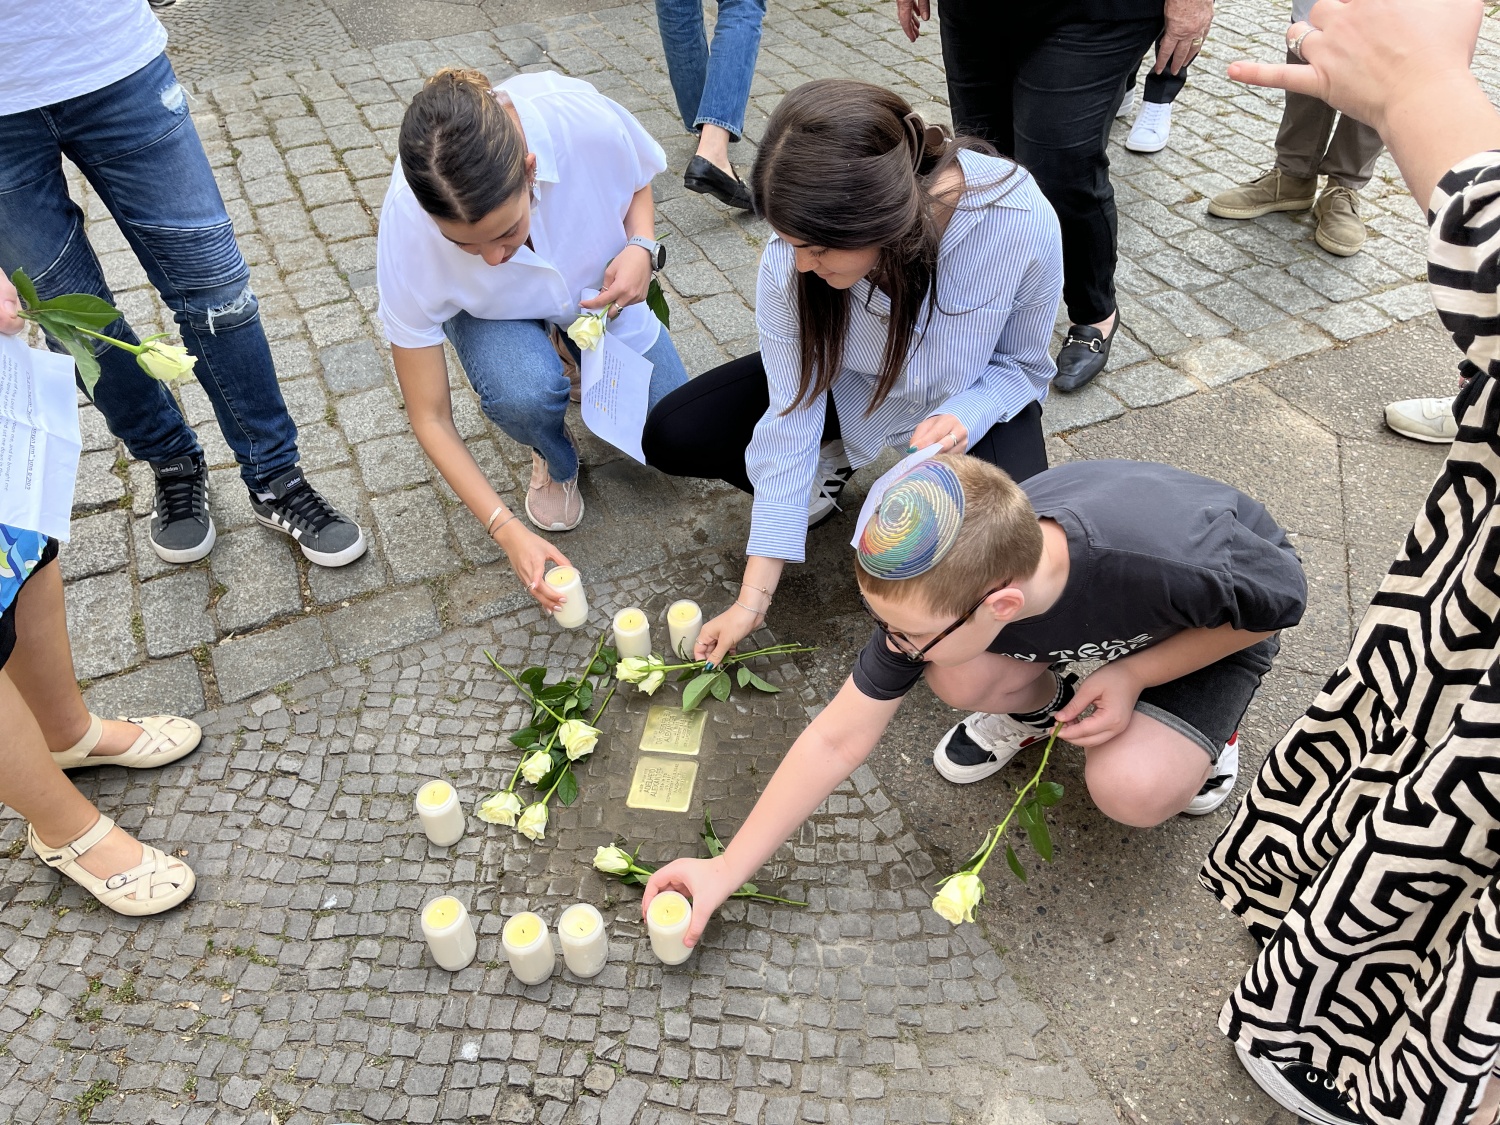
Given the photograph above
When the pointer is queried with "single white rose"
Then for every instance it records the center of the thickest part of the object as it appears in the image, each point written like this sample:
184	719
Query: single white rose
958	897
499	808
587	331
166	362
612	860
536	766
578	738
533	822
632	669
652	682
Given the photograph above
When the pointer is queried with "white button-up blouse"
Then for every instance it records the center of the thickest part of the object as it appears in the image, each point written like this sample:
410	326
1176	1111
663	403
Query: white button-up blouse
592	157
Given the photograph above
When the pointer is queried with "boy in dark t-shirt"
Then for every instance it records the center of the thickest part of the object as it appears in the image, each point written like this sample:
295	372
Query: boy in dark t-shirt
989	588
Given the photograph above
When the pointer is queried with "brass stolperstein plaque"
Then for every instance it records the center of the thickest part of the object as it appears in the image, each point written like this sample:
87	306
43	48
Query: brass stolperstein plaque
670	730
664	784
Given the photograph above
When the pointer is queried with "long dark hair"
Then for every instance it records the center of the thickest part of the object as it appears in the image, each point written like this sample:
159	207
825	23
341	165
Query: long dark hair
461	153
848	165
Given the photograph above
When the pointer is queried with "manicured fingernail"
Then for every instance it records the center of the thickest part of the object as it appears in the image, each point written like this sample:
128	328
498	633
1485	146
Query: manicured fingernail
708	666
911	449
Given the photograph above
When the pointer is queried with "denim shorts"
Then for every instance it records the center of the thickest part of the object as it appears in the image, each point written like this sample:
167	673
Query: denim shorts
1206	706
8	618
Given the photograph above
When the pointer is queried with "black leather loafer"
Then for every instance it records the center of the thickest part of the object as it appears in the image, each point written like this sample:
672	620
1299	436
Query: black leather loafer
701	176
1084	354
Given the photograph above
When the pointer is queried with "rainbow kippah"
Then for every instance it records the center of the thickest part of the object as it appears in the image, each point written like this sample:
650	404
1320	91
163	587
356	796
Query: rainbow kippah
915	525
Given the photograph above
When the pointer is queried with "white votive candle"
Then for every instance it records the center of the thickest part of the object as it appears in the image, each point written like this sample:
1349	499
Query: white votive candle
632	633
585	943
449	933
442	817
684	623
667	921
575	611
528	948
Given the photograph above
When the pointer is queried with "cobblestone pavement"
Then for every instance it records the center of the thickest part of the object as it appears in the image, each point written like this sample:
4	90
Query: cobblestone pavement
295	986
300	123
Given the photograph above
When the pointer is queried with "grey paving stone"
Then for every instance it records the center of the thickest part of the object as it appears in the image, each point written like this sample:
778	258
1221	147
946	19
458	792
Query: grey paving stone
351	367
102	625
171	686
412	534
98	545
97	486
1062	412
175	612
389	621
256	577
393	462
1146	384
1219	361
247	665
371	414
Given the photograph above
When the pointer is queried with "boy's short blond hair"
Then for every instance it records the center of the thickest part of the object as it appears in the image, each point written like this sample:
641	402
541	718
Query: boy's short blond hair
999	542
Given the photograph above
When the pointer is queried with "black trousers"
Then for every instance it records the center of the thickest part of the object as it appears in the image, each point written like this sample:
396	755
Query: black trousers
1047	97
1161	88
703	428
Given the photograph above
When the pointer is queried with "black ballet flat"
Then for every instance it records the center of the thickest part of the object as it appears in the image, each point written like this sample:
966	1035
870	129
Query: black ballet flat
1084	354
701	176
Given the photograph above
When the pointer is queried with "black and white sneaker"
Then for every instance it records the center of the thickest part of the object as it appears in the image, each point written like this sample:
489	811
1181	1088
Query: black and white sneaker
1220	781
182	531
1301	1089
833	473
326	536
982	744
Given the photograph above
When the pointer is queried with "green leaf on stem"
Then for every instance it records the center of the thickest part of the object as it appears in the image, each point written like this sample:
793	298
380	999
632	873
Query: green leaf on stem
533	678
693	694
749	889
1014	863
525	738
567	788
1048	793
83	358
687	673
24	287
721	686
756	682
584	698
710	837
656	301
1036	830
743	675
79	310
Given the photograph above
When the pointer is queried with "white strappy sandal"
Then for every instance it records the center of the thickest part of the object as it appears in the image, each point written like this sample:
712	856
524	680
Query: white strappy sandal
163	739
158	883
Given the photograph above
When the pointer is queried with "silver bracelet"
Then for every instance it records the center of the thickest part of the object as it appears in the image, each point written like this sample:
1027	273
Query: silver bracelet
747	609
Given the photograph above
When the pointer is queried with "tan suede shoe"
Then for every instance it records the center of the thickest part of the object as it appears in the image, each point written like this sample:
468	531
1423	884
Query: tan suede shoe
1340	229
1275	191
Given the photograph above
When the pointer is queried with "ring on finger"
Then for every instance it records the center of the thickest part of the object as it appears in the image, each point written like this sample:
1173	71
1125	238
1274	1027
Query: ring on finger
1198	42
1295	46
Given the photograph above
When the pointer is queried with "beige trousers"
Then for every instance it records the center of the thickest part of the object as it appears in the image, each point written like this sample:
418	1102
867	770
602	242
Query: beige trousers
1316	140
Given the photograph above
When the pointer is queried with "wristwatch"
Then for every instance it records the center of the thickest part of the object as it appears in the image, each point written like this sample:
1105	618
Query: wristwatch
657	251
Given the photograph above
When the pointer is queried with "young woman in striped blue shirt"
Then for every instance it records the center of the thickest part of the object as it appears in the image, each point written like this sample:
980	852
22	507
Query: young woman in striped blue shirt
906	299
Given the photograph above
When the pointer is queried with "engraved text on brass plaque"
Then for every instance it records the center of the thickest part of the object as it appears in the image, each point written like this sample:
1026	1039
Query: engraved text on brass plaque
665	784
670	730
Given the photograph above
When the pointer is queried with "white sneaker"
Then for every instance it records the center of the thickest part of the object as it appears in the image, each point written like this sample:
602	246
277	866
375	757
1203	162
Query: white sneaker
981	745
833	473
1152	126
1220	782
1127	103
1423	419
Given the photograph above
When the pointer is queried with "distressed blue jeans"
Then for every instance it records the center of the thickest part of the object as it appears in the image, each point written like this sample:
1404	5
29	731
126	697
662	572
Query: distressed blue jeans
712	86
135	142
518	375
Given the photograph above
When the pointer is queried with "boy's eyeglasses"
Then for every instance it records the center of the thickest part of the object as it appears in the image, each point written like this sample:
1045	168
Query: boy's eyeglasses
905	645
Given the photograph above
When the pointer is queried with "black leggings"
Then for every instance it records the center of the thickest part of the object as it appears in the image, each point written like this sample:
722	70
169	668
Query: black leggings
703	428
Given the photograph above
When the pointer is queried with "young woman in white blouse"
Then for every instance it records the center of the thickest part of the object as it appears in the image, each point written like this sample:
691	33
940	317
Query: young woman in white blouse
907	299
505	206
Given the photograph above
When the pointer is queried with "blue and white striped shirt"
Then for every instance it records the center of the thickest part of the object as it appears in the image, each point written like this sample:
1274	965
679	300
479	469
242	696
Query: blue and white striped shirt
983	357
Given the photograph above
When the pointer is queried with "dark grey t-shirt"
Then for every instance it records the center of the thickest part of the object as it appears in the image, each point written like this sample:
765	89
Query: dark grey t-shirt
1152	551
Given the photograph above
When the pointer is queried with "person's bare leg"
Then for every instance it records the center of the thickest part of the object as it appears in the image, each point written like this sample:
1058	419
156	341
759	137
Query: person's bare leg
713	146
32	785
1489	1105
993	683
1146	774
44	677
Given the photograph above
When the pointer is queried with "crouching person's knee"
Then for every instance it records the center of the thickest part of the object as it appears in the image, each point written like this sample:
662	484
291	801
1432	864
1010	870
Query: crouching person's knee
222	308
1137	792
